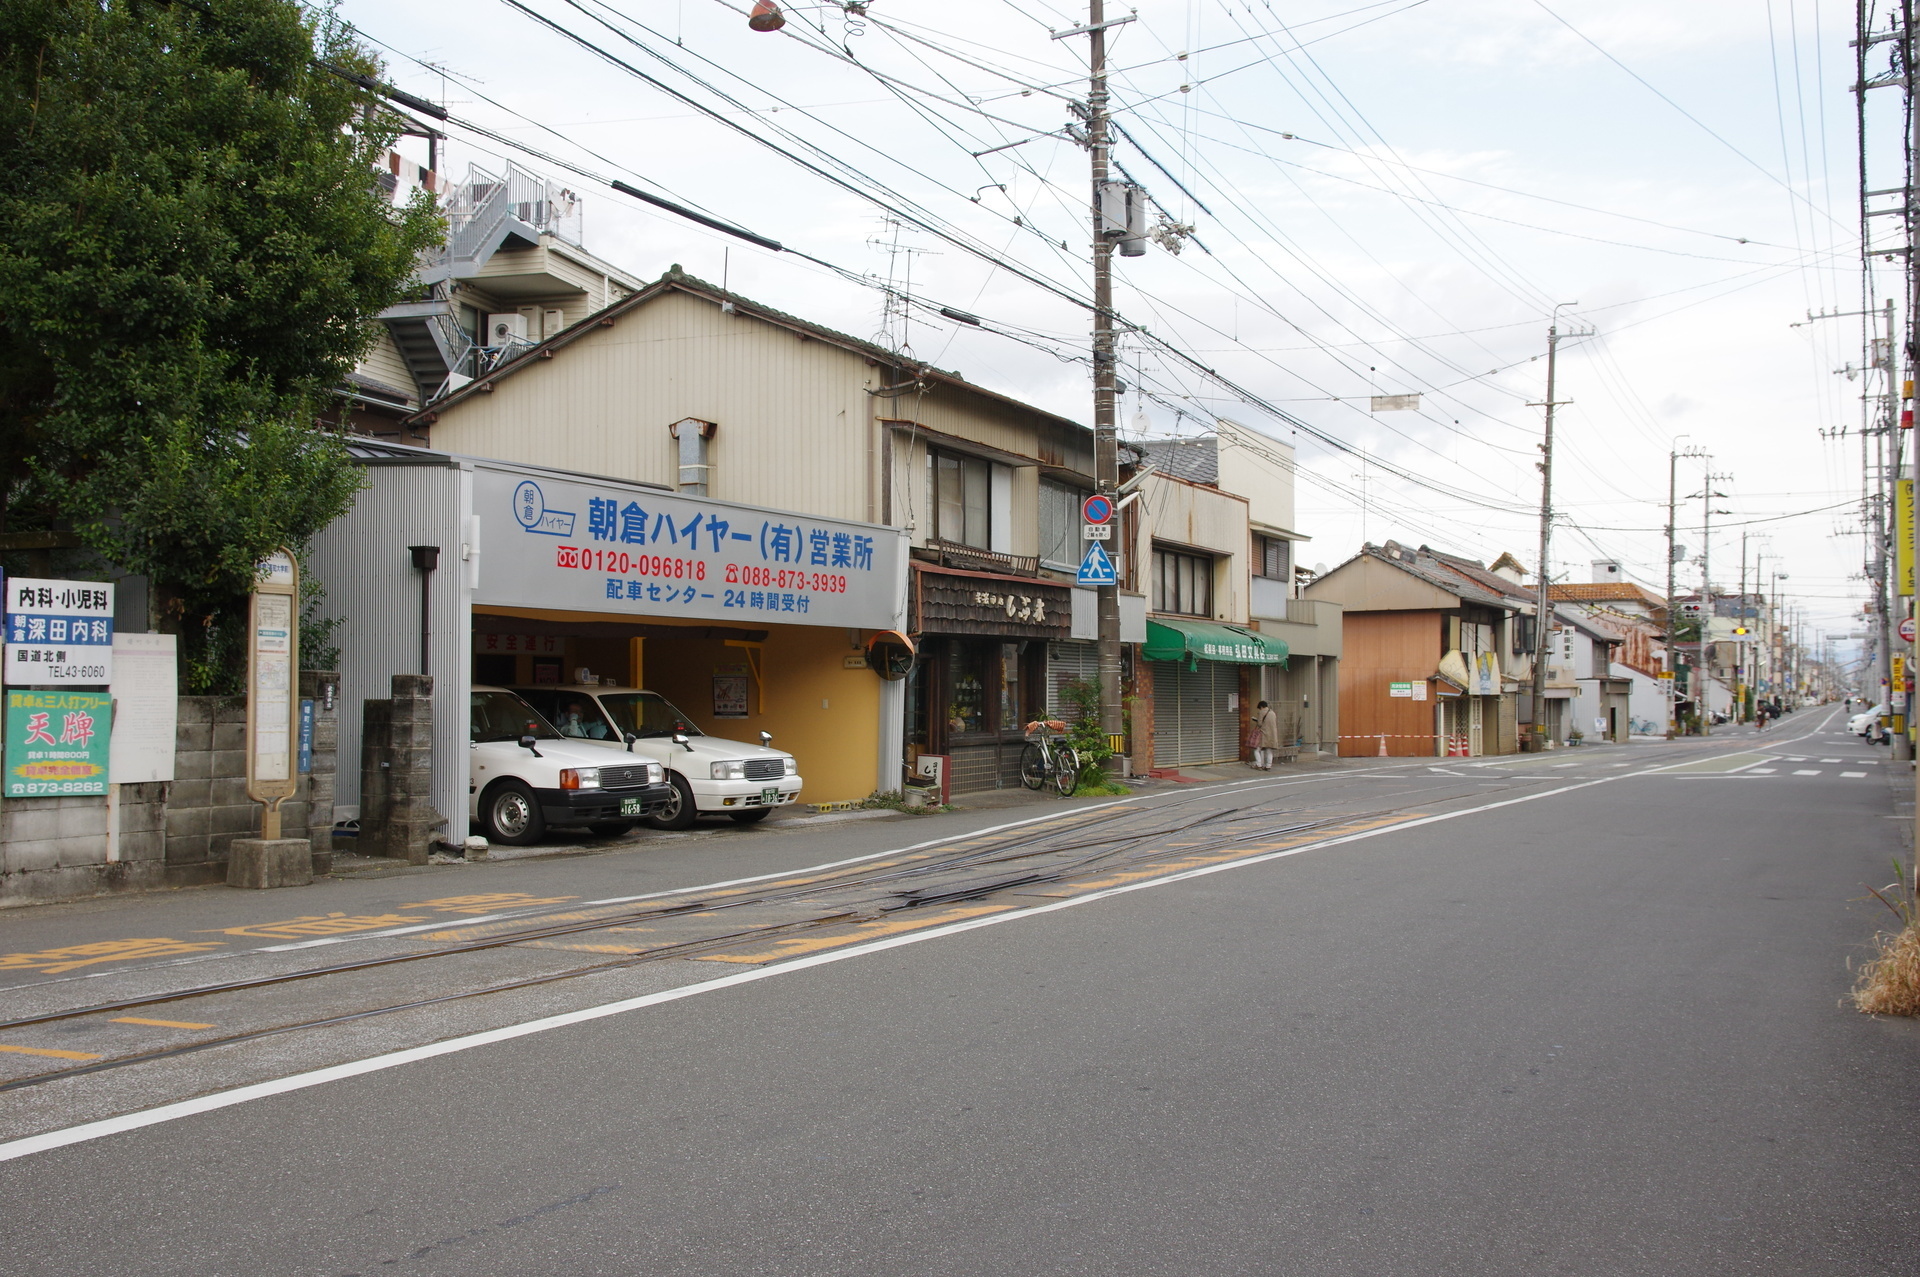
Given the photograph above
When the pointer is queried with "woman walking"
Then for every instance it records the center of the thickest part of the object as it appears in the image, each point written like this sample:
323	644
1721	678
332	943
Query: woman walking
1266	727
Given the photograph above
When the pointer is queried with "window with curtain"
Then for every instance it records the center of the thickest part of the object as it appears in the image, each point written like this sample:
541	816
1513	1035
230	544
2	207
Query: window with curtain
1060	525
1182	583
961	487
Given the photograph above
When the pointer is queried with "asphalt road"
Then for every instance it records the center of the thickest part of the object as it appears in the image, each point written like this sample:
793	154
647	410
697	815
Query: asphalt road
1580	1017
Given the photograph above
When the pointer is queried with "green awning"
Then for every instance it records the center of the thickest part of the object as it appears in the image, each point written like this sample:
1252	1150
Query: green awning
1196	641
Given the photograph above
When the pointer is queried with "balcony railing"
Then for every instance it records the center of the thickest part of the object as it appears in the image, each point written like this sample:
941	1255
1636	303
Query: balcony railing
967	558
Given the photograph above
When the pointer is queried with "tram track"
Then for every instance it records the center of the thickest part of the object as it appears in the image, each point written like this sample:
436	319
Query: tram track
872	890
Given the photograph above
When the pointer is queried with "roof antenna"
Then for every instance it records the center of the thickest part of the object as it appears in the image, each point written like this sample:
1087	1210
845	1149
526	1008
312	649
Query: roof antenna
726	264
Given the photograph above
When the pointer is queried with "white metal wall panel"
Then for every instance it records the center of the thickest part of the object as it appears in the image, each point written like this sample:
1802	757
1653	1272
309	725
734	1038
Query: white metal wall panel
1069	663
362	561
1194	720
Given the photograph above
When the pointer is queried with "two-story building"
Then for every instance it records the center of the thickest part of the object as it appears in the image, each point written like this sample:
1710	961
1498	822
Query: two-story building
683	388
1432	655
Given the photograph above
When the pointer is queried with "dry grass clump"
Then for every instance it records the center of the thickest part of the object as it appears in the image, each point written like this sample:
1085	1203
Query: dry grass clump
1890	983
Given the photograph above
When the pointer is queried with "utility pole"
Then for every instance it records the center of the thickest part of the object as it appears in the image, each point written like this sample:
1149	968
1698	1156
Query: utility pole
1106	444
1673	559
1705	667
1740	643
1543	610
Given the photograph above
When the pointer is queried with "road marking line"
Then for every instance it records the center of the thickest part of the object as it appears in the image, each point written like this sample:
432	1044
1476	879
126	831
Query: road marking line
1853	775
87	1131
1808	771
40	1050
160	1024
1760	771
1829	760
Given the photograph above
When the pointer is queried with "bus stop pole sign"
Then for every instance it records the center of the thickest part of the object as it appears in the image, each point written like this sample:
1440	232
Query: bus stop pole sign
273	687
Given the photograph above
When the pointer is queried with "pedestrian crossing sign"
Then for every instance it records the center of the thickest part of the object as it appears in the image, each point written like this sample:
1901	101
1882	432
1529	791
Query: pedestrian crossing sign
1096	568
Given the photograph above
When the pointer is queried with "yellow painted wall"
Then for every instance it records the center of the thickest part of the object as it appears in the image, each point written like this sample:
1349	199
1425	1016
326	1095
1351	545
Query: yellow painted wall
824	714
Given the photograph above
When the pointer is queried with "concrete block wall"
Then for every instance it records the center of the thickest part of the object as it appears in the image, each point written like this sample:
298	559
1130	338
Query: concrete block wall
171	833
397	816
59	848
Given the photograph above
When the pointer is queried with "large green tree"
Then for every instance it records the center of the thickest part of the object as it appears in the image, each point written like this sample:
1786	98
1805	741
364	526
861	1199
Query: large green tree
192	251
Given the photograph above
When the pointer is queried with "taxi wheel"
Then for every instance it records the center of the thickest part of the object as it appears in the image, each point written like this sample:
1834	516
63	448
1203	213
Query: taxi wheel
511	814
677	812
751	816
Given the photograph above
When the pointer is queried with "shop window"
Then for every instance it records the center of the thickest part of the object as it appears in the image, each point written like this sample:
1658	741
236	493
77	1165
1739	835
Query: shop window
1273	558
968	669
1060	525
1182	583
961	500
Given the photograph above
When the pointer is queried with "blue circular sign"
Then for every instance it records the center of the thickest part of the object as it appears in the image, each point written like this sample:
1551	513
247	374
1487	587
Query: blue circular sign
1097	508
529	504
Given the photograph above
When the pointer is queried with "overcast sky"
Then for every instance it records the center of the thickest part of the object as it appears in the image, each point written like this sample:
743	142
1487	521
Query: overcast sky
1684	174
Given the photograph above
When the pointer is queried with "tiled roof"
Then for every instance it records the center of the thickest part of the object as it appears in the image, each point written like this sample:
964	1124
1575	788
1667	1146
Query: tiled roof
1607	592
1195	460
1422	564
1489	580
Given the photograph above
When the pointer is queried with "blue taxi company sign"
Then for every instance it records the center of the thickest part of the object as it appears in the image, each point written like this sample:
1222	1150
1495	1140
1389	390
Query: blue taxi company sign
59	633
1096	568
583	546
1097	508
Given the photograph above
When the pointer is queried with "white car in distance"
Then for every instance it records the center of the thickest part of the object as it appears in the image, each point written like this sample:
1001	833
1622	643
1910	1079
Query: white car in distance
524	775
709	775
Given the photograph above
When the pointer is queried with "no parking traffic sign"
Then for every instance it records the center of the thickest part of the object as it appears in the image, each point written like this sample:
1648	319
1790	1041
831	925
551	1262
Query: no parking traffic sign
1906	630
1097	508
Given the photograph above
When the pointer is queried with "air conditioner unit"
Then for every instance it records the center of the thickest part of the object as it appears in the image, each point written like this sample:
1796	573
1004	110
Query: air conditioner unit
507	329
555	321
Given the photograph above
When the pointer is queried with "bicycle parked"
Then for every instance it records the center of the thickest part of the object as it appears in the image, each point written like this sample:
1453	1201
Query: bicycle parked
1047	756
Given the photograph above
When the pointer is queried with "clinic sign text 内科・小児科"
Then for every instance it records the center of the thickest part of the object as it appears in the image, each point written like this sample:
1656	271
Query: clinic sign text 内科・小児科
59	633
590	547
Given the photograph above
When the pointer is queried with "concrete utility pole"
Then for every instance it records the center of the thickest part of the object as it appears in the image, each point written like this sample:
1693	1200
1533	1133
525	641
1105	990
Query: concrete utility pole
1706	596
1673	559
1106	443
1740	672
1543	610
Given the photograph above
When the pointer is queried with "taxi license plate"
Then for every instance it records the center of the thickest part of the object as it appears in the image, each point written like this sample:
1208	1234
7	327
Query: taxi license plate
769	797
629	806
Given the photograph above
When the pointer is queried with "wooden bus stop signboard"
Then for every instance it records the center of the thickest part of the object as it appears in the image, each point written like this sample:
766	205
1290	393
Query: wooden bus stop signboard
273	687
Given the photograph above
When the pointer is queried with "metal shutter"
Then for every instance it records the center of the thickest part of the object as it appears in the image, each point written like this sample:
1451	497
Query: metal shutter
1069	663
1192	720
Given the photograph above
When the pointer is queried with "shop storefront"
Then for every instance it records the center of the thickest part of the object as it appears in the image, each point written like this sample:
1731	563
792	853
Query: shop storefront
983	672
1203	674
747	619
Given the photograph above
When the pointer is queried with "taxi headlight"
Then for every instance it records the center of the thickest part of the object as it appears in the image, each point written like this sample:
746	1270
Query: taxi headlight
580	778
656	774
729	771
793	765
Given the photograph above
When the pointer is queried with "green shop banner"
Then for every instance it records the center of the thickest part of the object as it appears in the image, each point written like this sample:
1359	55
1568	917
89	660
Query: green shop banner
57	743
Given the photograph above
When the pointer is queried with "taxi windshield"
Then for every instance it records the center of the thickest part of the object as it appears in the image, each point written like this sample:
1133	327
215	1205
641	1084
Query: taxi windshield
504	716
647	715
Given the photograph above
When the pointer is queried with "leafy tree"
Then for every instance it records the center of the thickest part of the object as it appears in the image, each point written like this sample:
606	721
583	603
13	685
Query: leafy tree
192	250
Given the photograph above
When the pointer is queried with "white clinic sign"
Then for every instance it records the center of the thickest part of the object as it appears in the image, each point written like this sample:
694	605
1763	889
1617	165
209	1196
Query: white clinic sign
272	687
578	545
59	633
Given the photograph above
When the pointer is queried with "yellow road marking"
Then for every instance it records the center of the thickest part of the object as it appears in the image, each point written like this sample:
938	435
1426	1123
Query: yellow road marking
75	956
793	946
41	1050
332	924
160	1024
488	903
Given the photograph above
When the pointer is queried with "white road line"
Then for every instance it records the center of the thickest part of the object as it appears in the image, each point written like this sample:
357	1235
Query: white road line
1808	771
1760	771
1853	775
87	1131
